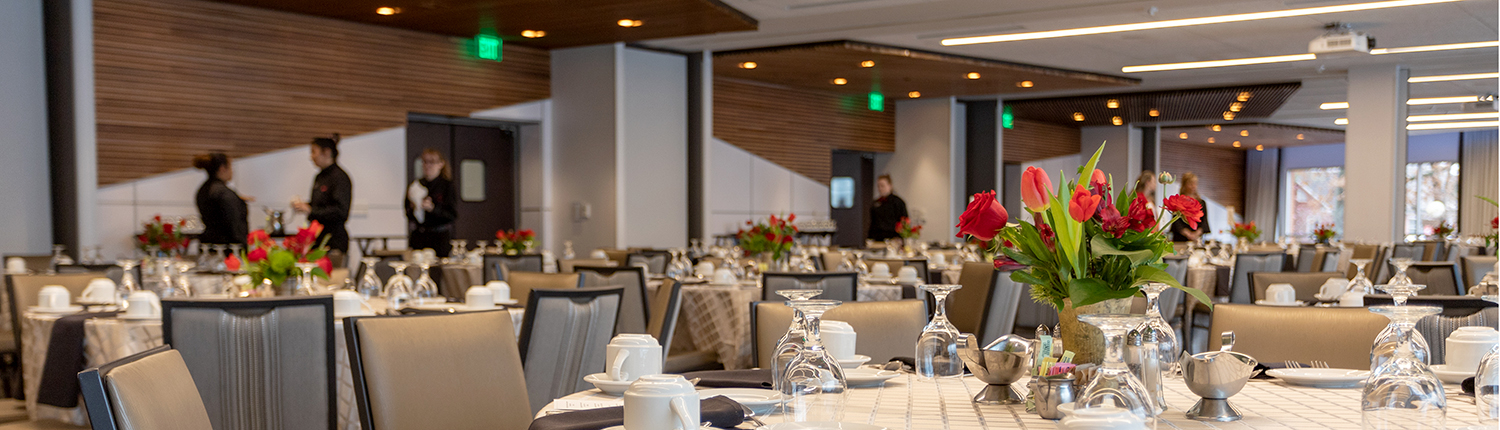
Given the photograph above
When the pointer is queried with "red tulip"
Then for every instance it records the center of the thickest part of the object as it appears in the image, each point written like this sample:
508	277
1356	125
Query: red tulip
1036	189
256	255
791	217
984	217
256	237
167	229
325	264
1083	204
1098	180
232	262
1005	263
1495	223
1189	208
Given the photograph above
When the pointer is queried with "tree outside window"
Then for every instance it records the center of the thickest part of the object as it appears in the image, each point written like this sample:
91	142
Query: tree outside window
1431	196
1313	196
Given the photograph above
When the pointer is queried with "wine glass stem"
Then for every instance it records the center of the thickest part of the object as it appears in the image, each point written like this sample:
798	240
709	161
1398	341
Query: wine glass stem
1114	353
940	312
812	340
1152	301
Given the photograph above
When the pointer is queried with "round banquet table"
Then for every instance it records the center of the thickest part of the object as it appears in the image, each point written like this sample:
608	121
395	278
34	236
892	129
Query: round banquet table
717	318
908	402
110	339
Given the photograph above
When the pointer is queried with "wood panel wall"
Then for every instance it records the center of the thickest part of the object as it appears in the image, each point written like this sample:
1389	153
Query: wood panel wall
1036	140
175	78
1221	172
798	129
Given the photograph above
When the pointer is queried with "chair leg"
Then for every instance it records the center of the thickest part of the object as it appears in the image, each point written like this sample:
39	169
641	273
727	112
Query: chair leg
10	376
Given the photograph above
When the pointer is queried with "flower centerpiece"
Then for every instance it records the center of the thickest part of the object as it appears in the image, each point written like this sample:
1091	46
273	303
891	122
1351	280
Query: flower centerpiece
1494	236
513	242
1247	233
771	240
1442	230
1324	233
269	260
907	230
1086	251
164	236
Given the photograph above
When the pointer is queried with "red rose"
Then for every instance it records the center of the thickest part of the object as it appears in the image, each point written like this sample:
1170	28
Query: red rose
256	255
748	222
773	219
771	237
142	238
232	262
786	239
157	219
325	264
1083	204
316	228
258	236
166	229
1141	217
1187	207
1495	223
984	217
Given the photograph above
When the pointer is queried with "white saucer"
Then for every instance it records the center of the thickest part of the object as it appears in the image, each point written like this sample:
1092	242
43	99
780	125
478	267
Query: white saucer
855	361
138	318
867	377
1450	376
67	310
506	301
759	400
822	426
1271	303
608	386
1322	378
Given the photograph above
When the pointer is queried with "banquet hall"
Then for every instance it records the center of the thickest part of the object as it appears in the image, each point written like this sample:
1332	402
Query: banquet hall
752	214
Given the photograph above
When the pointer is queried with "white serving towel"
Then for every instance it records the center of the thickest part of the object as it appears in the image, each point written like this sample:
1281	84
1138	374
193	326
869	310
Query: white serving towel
416	192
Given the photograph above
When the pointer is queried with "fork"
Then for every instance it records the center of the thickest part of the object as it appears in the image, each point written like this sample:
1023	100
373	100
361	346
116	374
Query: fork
1319	364
1292	364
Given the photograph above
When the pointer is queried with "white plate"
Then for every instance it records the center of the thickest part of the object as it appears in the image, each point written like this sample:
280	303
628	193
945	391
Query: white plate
866	377
68	310
1322	378
506	301
1271	303
822	426
1450	376
855	361
759	400
608	386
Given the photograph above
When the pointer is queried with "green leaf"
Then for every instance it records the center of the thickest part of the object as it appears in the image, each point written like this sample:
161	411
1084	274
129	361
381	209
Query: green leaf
1087	291
1490	200
1146	274
1025	277
1137	257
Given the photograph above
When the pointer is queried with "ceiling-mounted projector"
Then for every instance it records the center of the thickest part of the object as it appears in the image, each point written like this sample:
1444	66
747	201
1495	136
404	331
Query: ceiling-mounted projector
1339	38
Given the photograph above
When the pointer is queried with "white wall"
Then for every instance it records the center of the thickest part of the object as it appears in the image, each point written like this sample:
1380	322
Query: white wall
653	159
746	187
584	94
23	118
1121	159
927	169
1054	167
536	163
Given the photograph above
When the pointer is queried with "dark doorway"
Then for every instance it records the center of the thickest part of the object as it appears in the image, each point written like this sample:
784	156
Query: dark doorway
852	214
482	155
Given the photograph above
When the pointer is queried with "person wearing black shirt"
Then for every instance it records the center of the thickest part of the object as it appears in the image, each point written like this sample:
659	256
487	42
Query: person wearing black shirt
430	207
1180	230
886	212
332	193
225	214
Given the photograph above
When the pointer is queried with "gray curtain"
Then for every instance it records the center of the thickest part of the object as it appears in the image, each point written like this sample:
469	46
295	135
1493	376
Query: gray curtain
1479	175
1262	183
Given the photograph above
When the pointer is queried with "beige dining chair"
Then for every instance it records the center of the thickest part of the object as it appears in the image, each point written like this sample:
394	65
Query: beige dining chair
1273	334
570	266
152	390
666	305
1474	267
986	305
885	329
522	283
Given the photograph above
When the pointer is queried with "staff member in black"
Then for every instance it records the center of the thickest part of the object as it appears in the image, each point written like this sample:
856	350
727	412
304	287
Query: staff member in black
225	214
332	193
430	207
886	212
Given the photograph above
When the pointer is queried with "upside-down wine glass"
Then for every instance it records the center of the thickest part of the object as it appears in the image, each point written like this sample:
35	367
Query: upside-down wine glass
1166	336
1387	341
305	285
398	289
1487	383
369	283
813	387
937	347
426	289
1402	392
1113	385
1400	277
1360	284
127	280
790	343
177	286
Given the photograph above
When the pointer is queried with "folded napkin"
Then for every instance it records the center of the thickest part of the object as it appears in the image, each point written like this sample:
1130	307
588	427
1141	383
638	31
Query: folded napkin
753	378
59	384
718	411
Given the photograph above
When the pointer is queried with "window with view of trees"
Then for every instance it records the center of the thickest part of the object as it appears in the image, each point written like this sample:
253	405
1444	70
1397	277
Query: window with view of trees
1313	196
1431	196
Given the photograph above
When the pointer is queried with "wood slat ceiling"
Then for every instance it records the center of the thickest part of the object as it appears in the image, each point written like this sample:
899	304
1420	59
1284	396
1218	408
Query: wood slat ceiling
1269	135
1205	104
798	129
566	23
898	71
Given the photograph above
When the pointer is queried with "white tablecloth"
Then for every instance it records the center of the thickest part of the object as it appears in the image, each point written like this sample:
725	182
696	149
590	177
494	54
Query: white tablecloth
910	403
110	339
717	318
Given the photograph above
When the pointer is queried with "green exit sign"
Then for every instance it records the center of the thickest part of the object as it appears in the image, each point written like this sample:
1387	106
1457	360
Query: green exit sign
1007	118
877	101
488	47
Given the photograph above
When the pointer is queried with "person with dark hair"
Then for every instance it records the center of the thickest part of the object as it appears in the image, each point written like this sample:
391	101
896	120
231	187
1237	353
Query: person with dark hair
225	214
430	206
332	193
886	212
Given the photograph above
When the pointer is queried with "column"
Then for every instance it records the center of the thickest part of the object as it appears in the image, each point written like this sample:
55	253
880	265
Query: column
1375	154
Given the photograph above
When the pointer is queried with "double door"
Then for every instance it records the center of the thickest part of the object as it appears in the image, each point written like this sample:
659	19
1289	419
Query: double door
482	156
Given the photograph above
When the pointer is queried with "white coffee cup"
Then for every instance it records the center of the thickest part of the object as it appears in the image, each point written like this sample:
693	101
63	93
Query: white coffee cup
661	402
839	338
598	254
15	265
143	304
500	290
704	269
1467	346
479	297
100	290
1281	293
725	276
347	303
907	274
53	297
880	270
939	259
629	356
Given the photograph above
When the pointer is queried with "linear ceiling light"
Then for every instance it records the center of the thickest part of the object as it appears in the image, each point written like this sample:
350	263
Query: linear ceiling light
1218	63
1453	116
1426	48
1341	121
1334	105
1185	22
1411	102
1447	125
1445	78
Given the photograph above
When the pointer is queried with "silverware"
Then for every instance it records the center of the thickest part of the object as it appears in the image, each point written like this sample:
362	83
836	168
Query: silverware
1292	364
1319	364
750	415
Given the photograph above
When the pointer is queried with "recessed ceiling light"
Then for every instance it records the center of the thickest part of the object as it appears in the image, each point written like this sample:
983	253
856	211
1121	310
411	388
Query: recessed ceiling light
1244	132
1236	106
1236	144
748	65
867	63
1416	101
1453	116
1025	84
840	81
629	23
1210	140
1445	78
1112	104
972	75
1428	48
1182	136
914	94
1260	147
1216	127
387	10
1447	125
1243	97
1185	22
1117	121
1300	136
1341	121
532	34
1229	116
1154	112
1217	63
1078	116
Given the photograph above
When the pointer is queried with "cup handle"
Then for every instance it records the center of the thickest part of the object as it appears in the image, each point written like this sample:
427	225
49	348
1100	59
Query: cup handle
679	407
616	368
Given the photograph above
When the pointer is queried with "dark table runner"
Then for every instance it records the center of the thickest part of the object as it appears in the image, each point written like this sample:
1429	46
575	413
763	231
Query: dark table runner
718	411
1222	281
59	385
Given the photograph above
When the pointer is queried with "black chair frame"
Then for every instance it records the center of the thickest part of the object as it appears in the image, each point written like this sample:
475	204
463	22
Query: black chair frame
766	294
95	399
611	271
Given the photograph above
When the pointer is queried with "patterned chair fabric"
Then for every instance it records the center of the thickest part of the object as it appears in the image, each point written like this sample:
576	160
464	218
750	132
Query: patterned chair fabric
635	316
563	339
835	285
